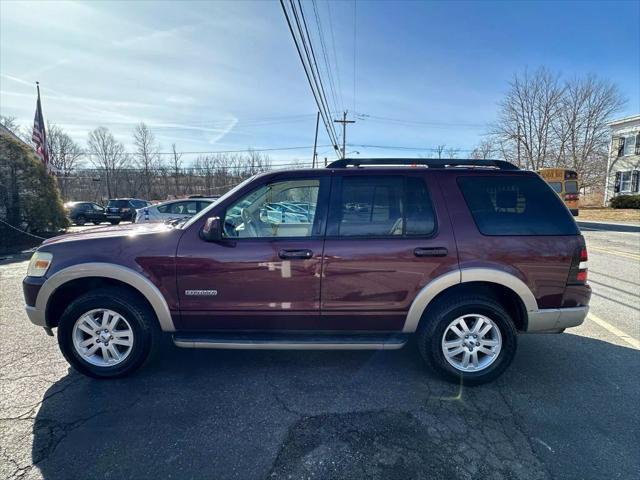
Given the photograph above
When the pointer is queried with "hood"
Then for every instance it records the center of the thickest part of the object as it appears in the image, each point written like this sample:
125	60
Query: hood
131	230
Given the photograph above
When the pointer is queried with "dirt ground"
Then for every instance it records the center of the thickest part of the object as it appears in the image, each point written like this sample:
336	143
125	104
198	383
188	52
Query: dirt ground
622	215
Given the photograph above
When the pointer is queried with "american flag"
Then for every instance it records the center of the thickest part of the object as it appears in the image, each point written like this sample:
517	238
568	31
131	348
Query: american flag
39	136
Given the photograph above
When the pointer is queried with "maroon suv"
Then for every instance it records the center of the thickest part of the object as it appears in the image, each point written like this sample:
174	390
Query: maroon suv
360	255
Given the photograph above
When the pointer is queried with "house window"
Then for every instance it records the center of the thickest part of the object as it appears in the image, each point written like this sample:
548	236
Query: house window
625	181
629	145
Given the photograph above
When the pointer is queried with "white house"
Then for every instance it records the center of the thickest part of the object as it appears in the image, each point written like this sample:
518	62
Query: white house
623	165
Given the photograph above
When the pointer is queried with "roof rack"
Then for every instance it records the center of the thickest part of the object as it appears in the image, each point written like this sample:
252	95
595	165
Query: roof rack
427	162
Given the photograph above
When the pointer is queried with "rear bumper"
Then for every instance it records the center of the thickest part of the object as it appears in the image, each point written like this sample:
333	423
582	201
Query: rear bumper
556	319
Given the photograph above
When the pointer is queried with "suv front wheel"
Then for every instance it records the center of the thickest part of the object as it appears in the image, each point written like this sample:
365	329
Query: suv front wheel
471	339
107	333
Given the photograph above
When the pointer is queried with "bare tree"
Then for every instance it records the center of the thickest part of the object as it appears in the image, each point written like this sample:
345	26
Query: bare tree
64	155
107	155
452	152
582	128
485	150
527	117
439	150
146	155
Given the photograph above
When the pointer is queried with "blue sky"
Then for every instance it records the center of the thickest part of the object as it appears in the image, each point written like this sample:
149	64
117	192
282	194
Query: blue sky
214	76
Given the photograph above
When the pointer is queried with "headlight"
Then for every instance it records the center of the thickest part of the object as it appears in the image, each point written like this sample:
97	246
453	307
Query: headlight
39	264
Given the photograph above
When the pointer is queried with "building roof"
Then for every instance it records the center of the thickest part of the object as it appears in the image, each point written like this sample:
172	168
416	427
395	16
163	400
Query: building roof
621	121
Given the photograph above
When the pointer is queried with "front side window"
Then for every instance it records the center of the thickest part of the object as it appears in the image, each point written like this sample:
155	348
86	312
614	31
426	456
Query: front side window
382	206
625	181
629	145
279	209
515	205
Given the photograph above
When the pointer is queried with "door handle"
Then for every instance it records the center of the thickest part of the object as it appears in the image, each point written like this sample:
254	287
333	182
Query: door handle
431	252
295	254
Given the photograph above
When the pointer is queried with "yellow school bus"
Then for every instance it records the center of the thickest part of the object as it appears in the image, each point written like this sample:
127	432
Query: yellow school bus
565	183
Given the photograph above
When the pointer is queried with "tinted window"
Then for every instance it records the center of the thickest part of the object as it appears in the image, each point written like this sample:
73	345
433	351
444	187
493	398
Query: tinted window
503	205
279	209
138	203
380	206
118	203
419	216
557	186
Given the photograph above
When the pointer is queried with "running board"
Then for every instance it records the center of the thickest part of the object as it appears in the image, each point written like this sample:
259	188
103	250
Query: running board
291	341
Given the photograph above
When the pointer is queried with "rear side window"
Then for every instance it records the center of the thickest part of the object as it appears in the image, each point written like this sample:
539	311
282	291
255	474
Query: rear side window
382	206
118	203
504	205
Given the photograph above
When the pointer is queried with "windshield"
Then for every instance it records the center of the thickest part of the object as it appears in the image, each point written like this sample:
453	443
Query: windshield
204	212
571	187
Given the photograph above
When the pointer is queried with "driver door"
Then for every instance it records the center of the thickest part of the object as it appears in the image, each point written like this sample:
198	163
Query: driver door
265	274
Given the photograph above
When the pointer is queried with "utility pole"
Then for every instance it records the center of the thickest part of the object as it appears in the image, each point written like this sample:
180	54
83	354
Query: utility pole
344	122
315	142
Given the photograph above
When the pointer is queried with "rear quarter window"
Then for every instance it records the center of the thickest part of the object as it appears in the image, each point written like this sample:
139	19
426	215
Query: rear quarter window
516	205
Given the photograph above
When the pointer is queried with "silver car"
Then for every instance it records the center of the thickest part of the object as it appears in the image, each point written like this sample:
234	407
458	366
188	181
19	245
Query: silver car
174	209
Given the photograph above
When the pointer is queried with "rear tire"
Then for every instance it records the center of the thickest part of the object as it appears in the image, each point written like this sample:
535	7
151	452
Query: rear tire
131	327
443	321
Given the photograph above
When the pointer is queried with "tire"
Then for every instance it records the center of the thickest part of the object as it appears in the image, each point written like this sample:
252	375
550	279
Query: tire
434	331
134	313
114	222
96	223
80	220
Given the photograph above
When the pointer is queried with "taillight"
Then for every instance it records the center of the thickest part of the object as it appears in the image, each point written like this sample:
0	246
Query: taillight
571	196
578	269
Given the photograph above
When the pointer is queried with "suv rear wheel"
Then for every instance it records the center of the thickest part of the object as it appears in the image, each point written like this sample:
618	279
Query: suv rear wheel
472	338
107	333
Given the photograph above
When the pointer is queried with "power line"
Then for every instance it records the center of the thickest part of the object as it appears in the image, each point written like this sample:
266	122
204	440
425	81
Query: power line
324	54
311	60
393	147
321	107
355	25
335	56
212	152
400	121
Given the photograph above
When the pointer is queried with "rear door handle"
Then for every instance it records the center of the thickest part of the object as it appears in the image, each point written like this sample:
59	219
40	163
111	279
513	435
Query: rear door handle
295	254
431	252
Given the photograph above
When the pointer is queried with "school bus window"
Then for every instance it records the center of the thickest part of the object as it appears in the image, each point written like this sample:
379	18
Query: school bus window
557	186
571	186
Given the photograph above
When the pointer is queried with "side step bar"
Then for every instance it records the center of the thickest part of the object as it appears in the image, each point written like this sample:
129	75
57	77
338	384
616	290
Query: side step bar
291	341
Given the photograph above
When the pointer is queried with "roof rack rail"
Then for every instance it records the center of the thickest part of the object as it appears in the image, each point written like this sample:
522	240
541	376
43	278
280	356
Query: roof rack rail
427	162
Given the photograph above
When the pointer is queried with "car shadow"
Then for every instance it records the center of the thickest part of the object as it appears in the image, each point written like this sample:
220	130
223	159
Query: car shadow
566	400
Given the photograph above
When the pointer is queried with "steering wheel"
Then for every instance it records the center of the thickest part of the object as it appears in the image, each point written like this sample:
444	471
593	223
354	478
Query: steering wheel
249	223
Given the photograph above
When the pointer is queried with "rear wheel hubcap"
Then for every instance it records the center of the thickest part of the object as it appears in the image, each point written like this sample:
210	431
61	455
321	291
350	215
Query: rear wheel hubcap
471	342
102	337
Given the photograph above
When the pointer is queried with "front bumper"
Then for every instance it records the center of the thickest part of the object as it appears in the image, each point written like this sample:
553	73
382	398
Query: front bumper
31	287
556	319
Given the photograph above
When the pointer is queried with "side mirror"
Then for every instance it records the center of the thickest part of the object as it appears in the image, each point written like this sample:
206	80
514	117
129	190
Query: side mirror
212	230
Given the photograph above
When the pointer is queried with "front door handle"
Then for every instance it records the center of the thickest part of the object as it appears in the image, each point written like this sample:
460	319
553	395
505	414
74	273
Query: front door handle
431	252
295	254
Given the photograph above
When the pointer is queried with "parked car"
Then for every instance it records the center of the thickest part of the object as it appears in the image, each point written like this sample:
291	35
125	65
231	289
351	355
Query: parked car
464	259
83	212
171	210
124	209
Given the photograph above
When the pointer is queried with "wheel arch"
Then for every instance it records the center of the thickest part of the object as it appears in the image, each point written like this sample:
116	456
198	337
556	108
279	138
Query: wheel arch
506	288
81	278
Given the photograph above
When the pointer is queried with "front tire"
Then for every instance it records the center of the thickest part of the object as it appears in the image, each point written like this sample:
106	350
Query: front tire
470	339
114	222
108	333
80	220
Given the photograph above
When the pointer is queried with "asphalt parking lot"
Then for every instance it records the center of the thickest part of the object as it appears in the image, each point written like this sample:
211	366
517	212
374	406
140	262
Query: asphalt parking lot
567	407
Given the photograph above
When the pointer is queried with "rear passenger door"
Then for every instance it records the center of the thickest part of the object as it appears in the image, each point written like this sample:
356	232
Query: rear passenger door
387	237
